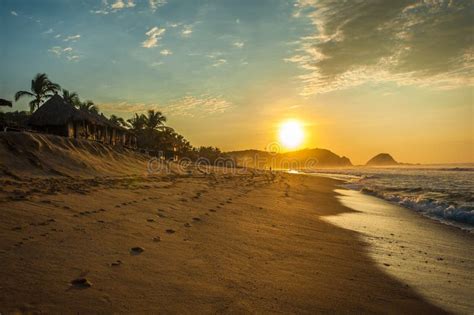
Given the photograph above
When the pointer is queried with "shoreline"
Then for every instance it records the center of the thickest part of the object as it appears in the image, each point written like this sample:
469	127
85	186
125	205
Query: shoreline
346	183
216	243
432	257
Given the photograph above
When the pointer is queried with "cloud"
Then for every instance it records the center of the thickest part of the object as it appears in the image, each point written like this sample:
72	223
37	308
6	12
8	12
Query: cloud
127	108
56	50
156	63
66	52
219	62
57	36
48	31
155	4
166	52
114	7
72	38
238	44
354	42
104	12
14	13
73	58
154	34
187	30
202	105
120	4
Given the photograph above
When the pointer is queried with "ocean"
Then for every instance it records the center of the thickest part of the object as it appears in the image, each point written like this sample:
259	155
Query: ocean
440	192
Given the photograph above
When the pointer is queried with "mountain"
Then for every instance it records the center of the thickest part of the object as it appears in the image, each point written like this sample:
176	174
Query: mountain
382	159
302	159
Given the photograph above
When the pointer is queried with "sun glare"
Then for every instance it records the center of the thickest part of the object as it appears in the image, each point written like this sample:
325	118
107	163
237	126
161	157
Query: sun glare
291	134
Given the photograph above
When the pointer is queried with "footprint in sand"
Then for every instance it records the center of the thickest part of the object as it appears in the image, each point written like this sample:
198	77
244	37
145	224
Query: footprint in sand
212	210
150	220
170	231
136	250
81	283
187	225
116	263
196	219
156	239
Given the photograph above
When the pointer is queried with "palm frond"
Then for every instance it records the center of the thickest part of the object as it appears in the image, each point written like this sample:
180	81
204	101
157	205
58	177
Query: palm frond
20	94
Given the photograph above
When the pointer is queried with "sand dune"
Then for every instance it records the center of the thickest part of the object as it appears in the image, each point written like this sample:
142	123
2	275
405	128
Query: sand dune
186	243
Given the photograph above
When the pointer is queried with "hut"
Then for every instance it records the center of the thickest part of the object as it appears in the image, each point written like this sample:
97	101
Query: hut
58	117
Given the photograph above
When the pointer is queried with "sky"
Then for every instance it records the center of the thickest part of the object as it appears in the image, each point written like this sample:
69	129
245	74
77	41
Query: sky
363	77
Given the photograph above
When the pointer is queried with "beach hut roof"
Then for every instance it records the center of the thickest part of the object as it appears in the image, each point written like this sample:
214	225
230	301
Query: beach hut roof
56	112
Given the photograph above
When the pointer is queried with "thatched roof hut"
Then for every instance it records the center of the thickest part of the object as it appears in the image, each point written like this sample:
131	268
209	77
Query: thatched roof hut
56	112
61	118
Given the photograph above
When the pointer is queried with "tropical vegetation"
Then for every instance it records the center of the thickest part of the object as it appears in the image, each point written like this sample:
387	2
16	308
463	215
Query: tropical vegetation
150	129
41	88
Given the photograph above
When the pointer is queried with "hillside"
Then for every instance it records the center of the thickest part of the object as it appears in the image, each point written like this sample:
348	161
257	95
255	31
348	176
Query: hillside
382	159
302	159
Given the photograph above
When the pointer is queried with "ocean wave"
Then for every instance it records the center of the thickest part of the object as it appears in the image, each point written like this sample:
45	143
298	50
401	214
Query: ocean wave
433	208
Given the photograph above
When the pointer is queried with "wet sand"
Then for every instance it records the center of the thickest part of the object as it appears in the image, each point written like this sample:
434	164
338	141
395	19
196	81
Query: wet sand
249	243
434	259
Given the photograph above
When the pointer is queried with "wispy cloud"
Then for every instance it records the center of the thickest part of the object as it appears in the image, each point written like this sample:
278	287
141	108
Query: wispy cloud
49	31
422	44
166	52
154	34
57	50
156	63
114	7
191	106
202	105
155	4
66	52
120	4
219	62
104	12
238	44
14	13
73	58
187	30
72	38
127	107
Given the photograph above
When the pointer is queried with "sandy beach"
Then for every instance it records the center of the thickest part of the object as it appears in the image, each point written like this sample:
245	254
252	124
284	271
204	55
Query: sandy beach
252	242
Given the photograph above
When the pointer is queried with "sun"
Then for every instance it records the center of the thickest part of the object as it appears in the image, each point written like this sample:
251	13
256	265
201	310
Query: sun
291	134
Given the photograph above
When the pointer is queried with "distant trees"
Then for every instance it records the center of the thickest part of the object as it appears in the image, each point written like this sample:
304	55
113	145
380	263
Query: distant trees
41	88
15	119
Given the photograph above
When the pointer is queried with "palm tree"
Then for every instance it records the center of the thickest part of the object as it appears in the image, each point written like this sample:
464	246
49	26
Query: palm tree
154	119
89	107
41	88
137	122
118	121
71	97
